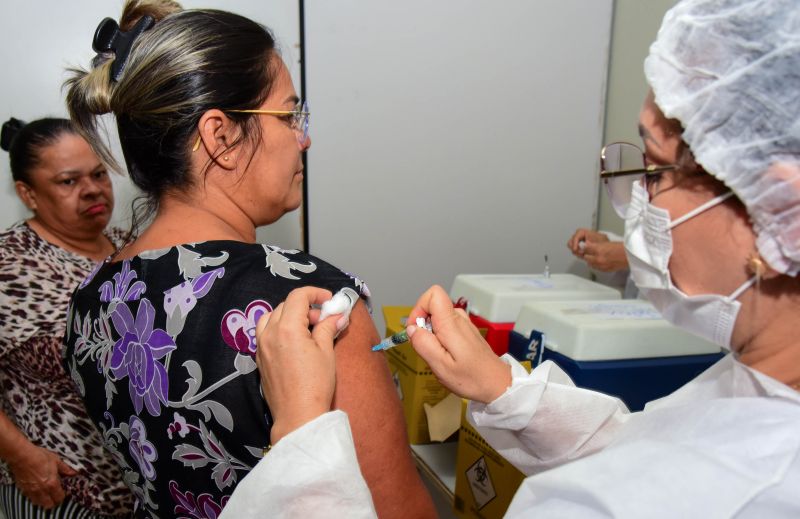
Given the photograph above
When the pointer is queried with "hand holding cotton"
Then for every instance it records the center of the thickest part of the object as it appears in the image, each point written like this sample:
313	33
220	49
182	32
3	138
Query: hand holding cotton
342	303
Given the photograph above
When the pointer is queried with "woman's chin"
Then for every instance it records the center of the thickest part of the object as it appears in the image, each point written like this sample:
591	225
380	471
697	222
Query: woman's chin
96	224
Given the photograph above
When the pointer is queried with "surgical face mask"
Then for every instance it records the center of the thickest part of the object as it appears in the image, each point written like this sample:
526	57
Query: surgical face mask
648	243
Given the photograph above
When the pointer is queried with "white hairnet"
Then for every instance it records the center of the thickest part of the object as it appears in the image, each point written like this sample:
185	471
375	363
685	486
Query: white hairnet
729	71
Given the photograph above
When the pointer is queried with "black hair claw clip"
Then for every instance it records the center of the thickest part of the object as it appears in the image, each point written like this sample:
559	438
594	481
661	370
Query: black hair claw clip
10	130
108	38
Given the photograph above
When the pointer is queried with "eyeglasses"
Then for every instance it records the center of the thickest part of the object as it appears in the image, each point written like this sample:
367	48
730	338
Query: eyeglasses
622	164
299	120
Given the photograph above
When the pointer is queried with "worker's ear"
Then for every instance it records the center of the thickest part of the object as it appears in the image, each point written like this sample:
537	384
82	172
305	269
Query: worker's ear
785	178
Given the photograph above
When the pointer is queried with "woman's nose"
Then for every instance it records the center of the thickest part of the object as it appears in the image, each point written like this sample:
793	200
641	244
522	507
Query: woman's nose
91	187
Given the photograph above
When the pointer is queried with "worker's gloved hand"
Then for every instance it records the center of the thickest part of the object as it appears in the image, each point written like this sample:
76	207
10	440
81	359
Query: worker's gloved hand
581	238
457	354
606	256
297	367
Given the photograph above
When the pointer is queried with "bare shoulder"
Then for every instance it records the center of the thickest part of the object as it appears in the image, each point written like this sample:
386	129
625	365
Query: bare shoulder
366	392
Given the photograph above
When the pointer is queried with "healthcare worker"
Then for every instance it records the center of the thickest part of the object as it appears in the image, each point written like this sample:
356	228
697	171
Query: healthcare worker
713	240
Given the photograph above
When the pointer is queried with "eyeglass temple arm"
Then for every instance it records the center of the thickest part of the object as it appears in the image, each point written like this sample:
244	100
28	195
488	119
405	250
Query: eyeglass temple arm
647	171
270	112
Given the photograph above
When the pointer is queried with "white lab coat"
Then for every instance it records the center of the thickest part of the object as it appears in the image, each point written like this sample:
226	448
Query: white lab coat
310	473
725	445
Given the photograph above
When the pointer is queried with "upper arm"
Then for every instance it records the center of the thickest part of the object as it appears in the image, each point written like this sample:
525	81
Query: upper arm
365	390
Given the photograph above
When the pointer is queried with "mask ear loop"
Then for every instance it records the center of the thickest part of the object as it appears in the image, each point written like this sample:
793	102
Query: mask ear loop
747	284
738	292
697	210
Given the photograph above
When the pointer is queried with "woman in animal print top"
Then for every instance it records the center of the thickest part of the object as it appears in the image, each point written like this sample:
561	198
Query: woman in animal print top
55	465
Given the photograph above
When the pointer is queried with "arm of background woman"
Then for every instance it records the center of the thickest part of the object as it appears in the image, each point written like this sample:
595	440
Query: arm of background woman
37	471
365	391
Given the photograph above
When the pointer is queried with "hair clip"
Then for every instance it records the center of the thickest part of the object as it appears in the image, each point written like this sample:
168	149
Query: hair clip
108	38
10	130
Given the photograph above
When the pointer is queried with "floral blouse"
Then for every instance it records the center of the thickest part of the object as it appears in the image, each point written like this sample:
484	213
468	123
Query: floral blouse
36	280
162	348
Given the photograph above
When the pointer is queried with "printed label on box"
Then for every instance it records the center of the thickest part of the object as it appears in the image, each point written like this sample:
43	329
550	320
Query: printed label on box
535	348
481	483
530	350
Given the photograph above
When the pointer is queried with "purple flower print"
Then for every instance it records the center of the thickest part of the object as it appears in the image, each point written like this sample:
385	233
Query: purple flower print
179	427
239	328
181	299
121	289
143	452
203	507
135	355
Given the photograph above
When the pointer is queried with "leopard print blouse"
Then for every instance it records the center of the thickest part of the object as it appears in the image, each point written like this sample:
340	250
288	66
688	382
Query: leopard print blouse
36	281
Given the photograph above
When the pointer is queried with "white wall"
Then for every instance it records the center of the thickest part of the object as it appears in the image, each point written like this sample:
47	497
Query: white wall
452	136
39	39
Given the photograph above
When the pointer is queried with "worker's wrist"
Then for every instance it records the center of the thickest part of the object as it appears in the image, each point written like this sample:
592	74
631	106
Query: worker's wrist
500	382
284	426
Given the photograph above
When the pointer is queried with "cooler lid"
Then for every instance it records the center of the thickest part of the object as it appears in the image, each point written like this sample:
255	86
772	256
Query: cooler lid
608	330
499	297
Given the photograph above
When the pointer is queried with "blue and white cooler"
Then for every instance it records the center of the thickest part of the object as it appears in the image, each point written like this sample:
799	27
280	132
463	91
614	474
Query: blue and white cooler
494	300
621	347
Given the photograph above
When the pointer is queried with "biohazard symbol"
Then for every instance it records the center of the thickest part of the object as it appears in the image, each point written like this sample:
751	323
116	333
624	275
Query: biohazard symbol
481	474
480	482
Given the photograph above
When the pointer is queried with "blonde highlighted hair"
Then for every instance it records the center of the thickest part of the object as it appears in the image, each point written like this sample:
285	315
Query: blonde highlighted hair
190	61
